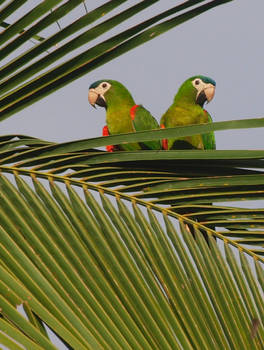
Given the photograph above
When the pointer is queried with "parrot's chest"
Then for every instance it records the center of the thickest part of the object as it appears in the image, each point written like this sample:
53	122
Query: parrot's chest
186	116
182	117
119	122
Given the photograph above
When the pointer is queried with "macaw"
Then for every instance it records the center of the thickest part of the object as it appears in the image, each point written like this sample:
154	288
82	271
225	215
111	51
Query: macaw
187	109
122	114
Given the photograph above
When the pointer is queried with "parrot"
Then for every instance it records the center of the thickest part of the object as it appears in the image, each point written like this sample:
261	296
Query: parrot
187	109
122	114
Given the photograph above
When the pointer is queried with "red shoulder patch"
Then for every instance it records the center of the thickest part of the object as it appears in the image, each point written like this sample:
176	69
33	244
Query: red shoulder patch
205	111
133	111
164	141
109	148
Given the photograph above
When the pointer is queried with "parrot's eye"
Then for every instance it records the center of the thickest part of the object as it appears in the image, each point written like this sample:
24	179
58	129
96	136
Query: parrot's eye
197	82
104	85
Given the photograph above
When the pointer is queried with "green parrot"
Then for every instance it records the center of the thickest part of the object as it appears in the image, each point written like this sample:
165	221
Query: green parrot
122	114
187	109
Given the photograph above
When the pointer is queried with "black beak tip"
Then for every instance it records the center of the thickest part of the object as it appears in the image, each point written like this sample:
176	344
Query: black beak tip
201	98
100	101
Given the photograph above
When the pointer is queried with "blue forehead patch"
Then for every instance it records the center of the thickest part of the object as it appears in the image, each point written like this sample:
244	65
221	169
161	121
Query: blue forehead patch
207	80
95	84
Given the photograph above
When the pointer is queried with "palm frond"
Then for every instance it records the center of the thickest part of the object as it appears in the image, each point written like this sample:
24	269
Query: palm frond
183	182
101	276
122	279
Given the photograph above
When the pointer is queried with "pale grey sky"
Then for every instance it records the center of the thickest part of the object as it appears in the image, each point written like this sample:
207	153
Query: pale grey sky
225	43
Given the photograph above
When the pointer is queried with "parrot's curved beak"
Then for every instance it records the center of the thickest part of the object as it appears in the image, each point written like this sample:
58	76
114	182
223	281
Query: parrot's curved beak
209	92
92	97
95	98
206	95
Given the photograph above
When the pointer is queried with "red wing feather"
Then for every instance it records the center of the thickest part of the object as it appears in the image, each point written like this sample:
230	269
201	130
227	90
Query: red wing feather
109	148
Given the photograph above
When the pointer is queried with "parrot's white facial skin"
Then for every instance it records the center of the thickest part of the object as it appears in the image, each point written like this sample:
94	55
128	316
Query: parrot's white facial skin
99	90
208	88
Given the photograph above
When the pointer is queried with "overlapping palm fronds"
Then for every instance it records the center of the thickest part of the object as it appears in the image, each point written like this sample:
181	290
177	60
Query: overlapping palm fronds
134	279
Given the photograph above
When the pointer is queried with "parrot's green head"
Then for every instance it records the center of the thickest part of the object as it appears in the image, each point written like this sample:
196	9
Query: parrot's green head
198	89
106	93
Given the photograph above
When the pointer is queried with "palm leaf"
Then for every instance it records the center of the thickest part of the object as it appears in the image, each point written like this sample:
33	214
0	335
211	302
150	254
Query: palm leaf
125	262
123	279
187	181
